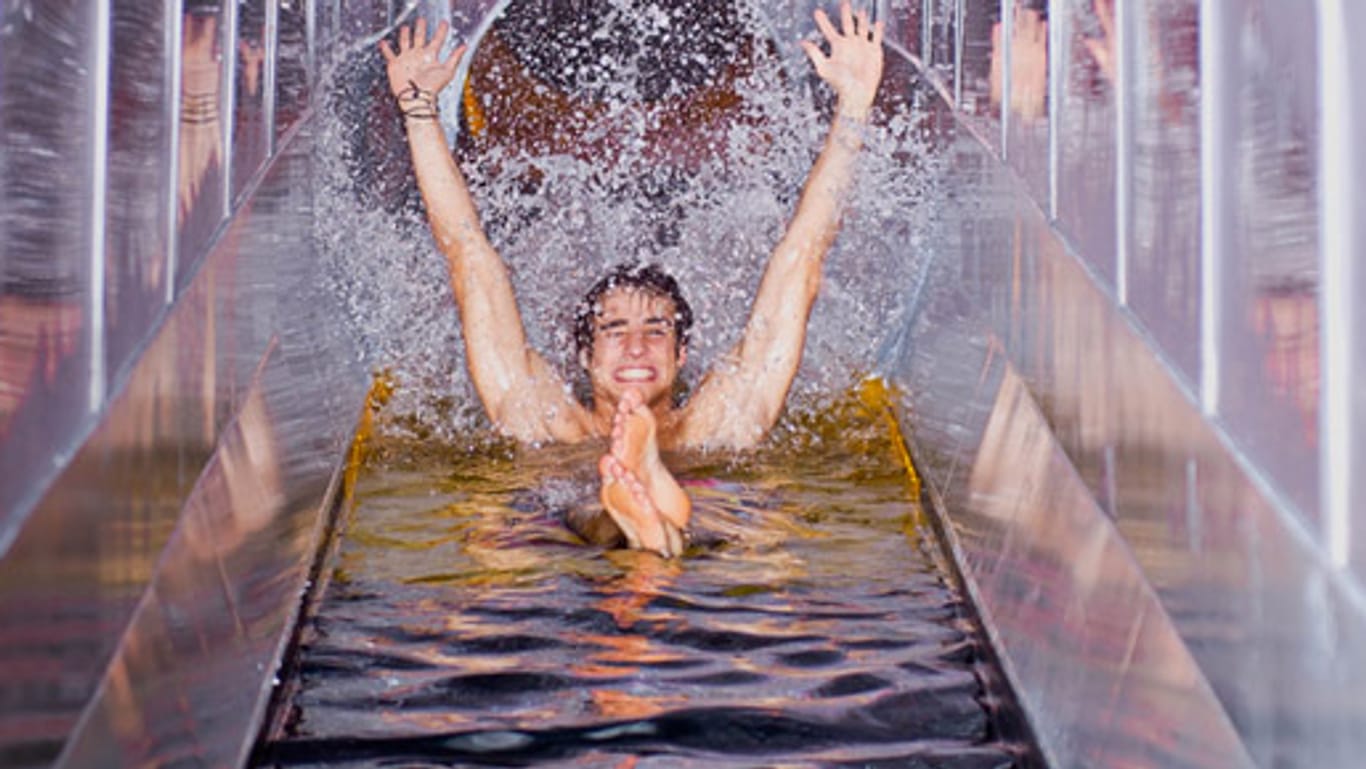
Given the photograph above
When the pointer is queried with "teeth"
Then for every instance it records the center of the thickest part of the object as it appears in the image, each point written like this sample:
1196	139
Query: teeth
635	374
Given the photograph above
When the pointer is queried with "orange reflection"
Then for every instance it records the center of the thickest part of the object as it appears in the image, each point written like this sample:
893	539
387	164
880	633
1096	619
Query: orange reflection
36	335
646	575
200	85
1288	323
1028	64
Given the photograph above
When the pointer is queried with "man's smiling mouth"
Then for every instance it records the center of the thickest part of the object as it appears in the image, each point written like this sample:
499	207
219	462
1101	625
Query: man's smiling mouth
635	374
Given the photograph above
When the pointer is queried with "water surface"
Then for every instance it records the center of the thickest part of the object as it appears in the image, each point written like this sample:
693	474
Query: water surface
464	625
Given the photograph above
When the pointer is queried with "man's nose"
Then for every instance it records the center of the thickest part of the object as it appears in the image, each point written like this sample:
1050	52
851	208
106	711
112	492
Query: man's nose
635	342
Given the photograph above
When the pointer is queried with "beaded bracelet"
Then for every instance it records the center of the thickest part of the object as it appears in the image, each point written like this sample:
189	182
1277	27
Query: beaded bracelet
417	104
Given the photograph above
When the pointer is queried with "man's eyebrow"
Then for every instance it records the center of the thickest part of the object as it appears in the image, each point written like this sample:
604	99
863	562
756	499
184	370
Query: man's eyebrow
658	320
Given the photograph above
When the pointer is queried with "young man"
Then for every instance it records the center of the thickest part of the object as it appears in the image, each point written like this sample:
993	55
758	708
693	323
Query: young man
634	342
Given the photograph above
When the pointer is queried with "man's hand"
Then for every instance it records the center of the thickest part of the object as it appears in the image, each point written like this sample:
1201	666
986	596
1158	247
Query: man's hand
854	66
418	65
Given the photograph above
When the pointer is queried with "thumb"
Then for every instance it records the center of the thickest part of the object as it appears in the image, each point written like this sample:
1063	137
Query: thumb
817	57
453	63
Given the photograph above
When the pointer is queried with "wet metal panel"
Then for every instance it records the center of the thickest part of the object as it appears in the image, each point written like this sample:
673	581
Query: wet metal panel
292	68
981	60
903	24
1093	649
251	130
47	334
1163	239
1342	174
1028	124
941	47
1269	349
136	245
1086	126
1063	447
206	638
80	570
201	134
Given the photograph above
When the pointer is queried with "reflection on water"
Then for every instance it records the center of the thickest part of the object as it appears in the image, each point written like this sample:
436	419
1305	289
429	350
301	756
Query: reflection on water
465	625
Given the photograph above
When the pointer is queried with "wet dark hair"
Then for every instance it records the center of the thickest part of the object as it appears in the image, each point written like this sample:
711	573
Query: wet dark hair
646	277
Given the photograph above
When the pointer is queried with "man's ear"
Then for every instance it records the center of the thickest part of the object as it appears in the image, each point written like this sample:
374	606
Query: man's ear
682	355
583	359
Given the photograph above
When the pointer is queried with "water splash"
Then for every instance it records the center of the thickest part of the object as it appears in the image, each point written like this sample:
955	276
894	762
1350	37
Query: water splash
707	198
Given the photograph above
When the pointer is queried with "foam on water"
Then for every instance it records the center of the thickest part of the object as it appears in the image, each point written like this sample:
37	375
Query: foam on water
560	216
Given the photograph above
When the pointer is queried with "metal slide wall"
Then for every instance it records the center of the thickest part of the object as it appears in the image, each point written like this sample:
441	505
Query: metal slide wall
1134	381
1135	384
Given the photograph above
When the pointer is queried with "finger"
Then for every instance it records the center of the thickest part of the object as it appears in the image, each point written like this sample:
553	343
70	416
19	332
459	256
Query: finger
877	33
405	38
439	38
453	62
813	52
420	33
387	51
823	24
847	17
861	24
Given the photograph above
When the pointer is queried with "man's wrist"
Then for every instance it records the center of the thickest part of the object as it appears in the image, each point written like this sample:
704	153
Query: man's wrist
852	113
417	104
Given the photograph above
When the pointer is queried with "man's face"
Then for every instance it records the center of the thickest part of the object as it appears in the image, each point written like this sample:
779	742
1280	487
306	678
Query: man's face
634	347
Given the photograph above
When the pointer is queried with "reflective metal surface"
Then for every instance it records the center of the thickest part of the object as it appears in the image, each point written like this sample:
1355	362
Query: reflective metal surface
137	226
1134	385
1027	122
1087	136
1124	556
149	570
251	126
201	176
1146	347
1163	201
1269	350
293	70
48	343
1342	170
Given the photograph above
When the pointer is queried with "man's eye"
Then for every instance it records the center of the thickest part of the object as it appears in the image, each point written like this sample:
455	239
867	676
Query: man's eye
656	333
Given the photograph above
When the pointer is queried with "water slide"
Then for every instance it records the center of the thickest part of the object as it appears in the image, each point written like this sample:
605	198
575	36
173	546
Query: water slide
1129	374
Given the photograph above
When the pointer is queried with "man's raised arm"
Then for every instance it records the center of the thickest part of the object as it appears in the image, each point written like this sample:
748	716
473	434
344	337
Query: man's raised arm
741	399
523	396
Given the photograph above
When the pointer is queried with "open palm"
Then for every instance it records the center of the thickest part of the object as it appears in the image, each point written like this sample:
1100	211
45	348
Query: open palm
418	64
854	66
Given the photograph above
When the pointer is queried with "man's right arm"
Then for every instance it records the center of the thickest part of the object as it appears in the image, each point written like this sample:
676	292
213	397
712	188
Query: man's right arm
523	396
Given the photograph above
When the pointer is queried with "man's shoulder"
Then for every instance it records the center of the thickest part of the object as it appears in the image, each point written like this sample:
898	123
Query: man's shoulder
707	425
540	423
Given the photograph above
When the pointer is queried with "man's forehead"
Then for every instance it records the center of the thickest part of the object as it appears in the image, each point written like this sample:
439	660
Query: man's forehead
632	299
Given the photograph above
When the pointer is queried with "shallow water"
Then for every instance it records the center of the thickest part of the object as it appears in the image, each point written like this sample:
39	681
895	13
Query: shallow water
463	625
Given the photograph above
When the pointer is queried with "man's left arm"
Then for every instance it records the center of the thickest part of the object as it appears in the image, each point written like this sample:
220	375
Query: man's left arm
742	397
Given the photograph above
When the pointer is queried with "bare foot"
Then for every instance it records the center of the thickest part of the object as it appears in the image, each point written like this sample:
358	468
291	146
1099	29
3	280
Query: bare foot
634	443
638	491
628	504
